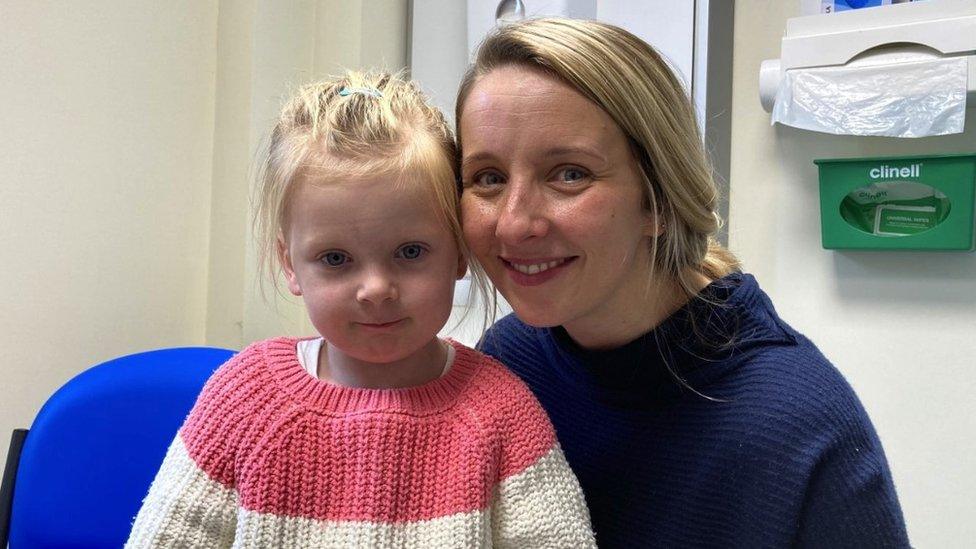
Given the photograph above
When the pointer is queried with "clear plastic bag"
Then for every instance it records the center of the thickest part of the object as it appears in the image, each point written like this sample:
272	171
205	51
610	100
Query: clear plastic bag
906	99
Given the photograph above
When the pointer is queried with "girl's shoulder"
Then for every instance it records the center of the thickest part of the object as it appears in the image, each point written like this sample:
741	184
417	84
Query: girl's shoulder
501	398
492	377
231	411
247	366
240	390
509	414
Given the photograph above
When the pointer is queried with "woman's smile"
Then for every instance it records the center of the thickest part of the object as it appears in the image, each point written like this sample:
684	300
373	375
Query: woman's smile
533	272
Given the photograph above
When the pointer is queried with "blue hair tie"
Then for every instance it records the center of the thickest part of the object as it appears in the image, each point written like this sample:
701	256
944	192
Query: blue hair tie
372	92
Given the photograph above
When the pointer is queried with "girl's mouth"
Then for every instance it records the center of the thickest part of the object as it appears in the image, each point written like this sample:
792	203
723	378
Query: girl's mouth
381	325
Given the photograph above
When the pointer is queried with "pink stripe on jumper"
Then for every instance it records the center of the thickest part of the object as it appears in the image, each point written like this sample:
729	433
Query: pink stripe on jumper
286	452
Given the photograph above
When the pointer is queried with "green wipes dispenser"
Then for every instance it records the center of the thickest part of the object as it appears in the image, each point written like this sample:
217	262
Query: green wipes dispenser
898	203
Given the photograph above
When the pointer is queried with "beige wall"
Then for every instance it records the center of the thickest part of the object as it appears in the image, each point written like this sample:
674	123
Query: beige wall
106	112
898	325
130	132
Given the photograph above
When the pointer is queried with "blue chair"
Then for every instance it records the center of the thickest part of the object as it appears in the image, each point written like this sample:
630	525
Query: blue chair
95	446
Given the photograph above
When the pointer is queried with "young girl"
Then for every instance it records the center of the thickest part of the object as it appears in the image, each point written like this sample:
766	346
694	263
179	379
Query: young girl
377	434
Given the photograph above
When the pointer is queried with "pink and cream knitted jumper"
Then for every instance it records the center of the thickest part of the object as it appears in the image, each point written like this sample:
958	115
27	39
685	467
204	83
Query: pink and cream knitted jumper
272	457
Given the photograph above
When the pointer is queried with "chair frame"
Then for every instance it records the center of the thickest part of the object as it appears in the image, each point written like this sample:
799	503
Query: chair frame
17	438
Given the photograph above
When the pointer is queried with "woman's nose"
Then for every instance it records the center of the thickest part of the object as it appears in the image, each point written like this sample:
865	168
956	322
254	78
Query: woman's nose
377	286
522	214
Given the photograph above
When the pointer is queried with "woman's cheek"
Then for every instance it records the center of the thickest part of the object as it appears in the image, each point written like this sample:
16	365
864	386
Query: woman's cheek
476	221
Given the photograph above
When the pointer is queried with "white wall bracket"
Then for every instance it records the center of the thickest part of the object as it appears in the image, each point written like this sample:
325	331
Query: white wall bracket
890	34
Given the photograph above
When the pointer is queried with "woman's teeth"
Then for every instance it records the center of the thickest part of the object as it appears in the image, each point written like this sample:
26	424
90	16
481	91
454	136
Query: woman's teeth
537	268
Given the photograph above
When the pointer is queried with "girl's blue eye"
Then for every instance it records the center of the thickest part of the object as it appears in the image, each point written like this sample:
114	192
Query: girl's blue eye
335	259
411	251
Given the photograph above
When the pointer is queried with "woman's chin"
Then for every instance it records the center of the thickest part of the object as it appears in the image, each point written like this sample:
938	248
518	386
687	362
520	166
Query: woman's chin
539	315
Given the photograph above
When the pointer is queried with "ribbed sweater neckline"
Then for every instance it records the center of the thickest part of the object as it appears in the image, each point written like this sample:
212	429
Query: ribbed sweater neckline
323	396
700	343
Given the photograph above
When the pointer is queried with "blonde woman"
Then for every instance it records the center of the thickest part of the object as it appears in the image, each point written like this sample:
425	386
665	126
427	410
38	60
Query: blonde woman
691	413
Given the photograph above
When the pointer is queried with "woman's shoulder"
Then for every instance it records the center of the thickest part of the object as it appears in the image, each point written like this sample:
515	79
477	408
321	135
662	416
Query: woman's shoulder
776	362
800	411
796	389
771	375
510	340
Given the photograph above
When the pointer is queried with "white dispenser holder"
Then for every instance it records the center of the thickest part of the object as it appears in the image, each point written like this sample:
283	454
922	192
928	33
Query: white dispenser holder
916	31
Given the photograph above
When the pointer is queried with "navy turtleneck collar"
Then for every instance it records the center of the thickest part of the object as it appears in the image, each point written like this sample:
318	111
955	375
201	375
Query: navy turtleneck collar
699	343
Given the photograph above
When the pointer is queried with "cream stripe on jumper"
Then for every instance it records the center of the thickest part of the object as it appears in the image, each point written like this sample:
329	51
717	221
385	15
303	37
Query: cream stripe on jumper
542	502
185	507
462	530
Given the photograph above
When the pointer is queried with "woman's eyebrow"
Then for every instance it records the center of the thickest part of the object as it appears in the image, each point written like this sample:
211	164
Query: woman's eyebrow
575	150
549	153
476	157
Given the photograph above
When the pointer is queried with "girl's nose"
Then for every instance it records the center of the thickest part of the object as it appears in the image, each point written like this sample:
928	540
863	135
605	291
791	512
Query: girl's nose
522	214
377	286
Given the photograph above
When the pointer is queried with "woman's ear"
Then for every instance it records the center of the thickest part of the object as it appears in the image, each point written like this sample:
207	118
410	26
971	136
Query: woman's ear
462	266
284	257
653	225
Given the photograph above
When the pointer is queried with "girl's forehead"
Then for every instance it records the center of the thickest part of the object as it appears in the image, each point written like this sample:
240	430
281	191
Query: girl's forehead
329	190
359	190
399	186
368	215
324	202
416	163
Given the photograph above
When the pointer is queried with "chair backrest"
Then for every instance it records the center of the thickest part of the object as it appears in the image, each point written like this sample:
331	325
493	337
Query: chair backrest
97	443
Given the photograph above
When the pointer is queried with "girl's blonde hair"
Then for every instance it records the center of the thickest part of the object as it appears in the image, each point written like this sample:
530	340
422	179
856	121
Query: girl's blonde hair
357	125
630	81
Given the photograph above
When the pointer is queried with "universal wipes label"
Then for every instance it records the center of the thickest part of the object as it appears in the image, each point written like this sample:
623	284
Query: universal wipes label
892	220
894	202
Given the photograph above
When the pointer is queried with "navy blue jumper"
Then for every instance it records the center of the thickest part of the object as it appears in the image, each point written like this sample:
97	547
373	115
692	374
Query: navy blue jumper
763	445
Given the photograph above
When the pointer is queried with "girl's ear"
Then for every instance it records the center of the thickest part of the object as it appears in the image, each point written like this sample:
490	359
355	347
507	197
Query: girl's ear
284	257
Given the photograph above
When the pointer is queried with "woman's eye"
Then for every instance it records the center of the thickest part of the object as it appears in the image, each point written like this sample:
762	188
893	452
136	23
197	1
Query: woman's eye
335	259
411	251
572	175
488	179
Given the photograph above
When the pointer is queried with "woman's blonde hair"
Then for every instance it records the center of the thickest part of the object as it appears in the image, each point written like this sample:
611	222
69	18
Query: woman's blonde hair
356	125
629	80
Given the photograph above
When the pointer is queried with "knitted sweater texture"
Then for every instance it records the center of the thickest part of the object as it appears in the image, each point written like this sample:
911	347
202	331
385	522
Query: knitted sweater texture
272	457
780	453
